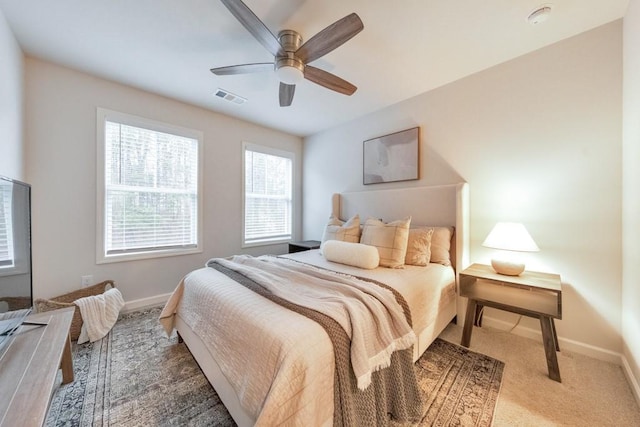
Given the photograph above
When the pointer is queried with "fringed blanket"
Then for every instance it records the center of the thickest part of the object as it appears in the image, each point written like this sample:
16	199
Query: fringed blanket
368	323
99	314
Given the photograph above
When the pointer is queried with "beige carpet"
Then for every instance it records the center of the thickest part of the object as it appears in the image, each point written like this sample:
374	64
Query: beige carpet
592	392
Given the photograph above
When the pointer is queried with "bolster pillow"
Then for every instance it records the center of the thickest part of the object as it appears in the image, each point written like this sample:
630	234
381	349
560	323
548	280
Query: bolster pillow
355	254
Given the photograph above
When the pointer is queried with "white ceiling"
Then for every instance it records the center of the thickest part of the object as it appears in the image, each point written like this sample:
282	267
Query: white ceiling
407	47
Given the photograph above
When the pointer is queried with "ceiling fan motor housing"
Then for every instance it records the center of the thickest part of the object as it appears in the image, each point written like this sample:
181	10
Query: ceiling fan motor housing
290	69
290	40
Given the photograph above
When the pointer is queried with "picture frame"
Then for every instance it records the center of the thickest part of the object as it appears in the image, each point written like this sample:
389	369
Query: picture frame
391	158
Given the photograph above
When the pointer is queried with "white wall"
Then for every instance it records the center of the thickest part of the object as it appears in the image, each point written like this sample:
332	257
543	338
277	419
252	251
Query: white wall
538	139
631	195
11	115
61	152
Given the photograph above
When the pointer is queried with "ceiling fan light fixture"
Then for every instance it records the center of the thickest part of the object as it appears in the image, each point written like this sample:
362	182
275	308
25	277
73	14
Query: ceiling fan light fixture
290	75
290	71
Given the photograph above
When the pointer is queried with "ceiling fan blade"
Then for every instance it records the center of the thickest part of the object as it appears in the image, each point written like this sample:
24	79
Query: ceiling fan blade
243	69
253	24
328	80
286	94
330	38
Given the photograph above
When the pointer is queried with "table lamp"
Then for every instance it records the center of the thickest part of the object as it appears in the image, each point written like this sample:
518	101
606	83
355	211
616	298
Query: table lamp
509	236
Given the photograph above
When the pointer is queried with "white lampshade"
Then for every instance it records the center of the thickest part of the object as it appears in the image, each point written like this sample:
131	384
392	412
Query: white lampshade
509	236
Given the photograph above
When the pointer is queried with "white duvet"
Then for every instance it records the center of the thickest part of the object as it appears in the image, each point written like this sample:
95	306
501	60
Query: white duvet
280	363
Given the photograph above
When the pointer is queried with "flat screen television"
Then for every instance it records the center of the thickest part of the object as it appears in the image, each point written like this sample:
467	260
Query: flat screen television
16	298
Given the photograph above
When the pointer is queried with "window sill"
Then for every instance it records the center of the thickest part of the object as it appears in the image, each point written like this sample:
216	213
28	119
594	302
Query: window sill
136	256
265	243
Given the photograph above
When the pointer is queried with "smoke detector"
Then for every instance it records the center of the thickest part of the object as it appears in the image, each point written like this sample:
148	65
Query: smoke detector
539	15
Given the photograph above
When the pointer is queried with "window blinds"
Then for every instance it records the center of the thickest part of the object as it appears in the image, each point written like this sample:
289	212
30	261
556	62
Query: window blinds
151	190
6	235
268	197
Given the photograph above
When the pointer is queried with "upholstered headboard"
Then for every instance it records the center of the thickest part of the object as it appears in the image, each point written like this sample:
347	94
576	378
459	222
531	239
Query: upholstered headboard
443	205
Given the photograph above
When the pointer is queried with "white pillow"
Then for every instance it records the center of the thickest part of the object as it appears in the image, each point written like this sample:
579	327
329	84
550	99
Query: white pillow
355	254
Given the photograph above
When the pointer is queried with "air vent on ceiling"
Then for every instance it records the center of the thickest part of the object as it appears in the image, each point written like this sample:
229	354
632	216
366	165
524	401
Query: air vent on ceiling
231	97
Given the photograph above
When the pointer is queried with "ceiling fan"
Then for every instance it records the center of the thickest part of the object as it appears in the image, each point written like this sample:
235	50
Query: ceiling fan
291	56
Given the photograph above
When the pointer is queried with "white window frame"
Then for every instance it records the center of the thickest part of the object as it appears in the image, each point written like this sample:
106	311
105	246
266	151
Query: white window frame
19	250
104	115
246	146
7	265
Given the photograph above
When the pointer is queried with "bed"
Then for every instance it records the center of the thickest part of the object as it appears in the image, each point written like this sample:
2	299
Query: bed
277	367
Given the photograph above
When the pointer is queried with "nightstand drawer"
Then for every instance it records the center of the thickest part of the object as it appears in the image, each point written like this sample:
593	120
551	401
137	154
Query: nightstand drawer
523	299
531	293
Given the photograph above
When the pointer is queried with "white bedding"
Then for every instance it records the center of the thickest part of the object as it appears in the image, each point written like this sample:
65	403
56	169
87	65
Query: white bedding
425	288
279	363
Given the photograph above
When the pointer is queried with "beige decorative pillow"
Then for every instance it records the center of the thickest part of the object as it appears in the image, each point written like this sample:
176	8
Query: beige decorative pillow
440	244
419	247
390	239
344	231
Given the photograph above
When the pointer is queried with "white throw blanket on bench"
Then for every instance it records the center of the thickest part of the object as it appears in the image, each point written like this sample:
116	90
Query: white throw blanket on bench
99	314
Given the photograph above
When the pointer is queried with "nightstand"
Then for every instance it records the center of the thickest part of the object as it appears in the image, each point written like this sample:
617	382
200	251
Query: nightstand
305	245
537	295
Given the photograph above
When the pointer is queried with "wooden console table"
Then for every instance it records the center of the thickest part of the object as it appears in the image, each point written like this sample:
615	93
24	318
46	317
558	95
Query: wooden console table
29	366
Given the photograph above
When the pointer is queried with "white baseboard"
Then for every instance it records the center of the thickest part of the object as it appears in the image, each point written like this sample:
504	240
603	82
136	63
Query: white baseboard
565	343
145	302
633	381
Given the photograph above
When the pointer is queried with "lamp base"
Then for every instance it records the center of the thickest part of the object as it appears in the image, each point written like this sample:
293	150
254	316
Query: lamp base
508	268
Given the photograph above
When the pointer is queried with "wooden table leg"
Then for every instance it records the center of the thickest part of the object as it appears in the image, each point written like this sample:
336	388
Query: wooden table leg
66	363
546	324
555	334
468	323
477	320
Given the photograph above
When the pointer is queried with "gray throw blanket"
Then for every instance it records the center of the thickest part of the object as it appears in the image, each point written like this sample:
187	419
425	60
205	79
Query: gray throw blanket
393	390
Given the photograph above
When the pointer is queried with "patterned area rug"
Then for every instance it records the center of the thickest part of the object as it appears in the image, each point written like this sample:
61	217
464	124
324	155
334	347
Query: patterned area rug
135	376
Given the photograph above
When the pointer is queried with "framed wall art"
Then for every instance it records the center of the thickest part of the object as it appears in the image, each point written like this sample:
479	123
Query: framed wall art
392	157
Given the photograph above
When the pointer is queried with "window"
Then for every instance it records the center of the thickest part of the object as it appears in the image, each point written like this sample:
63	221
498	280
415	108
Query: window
268	200
15	247
149	180
6	235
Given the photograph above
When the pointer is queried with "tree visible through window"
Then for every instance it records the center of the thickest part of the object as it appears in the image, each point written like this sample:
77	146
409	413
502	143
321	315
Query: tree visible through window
268	204
150	190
